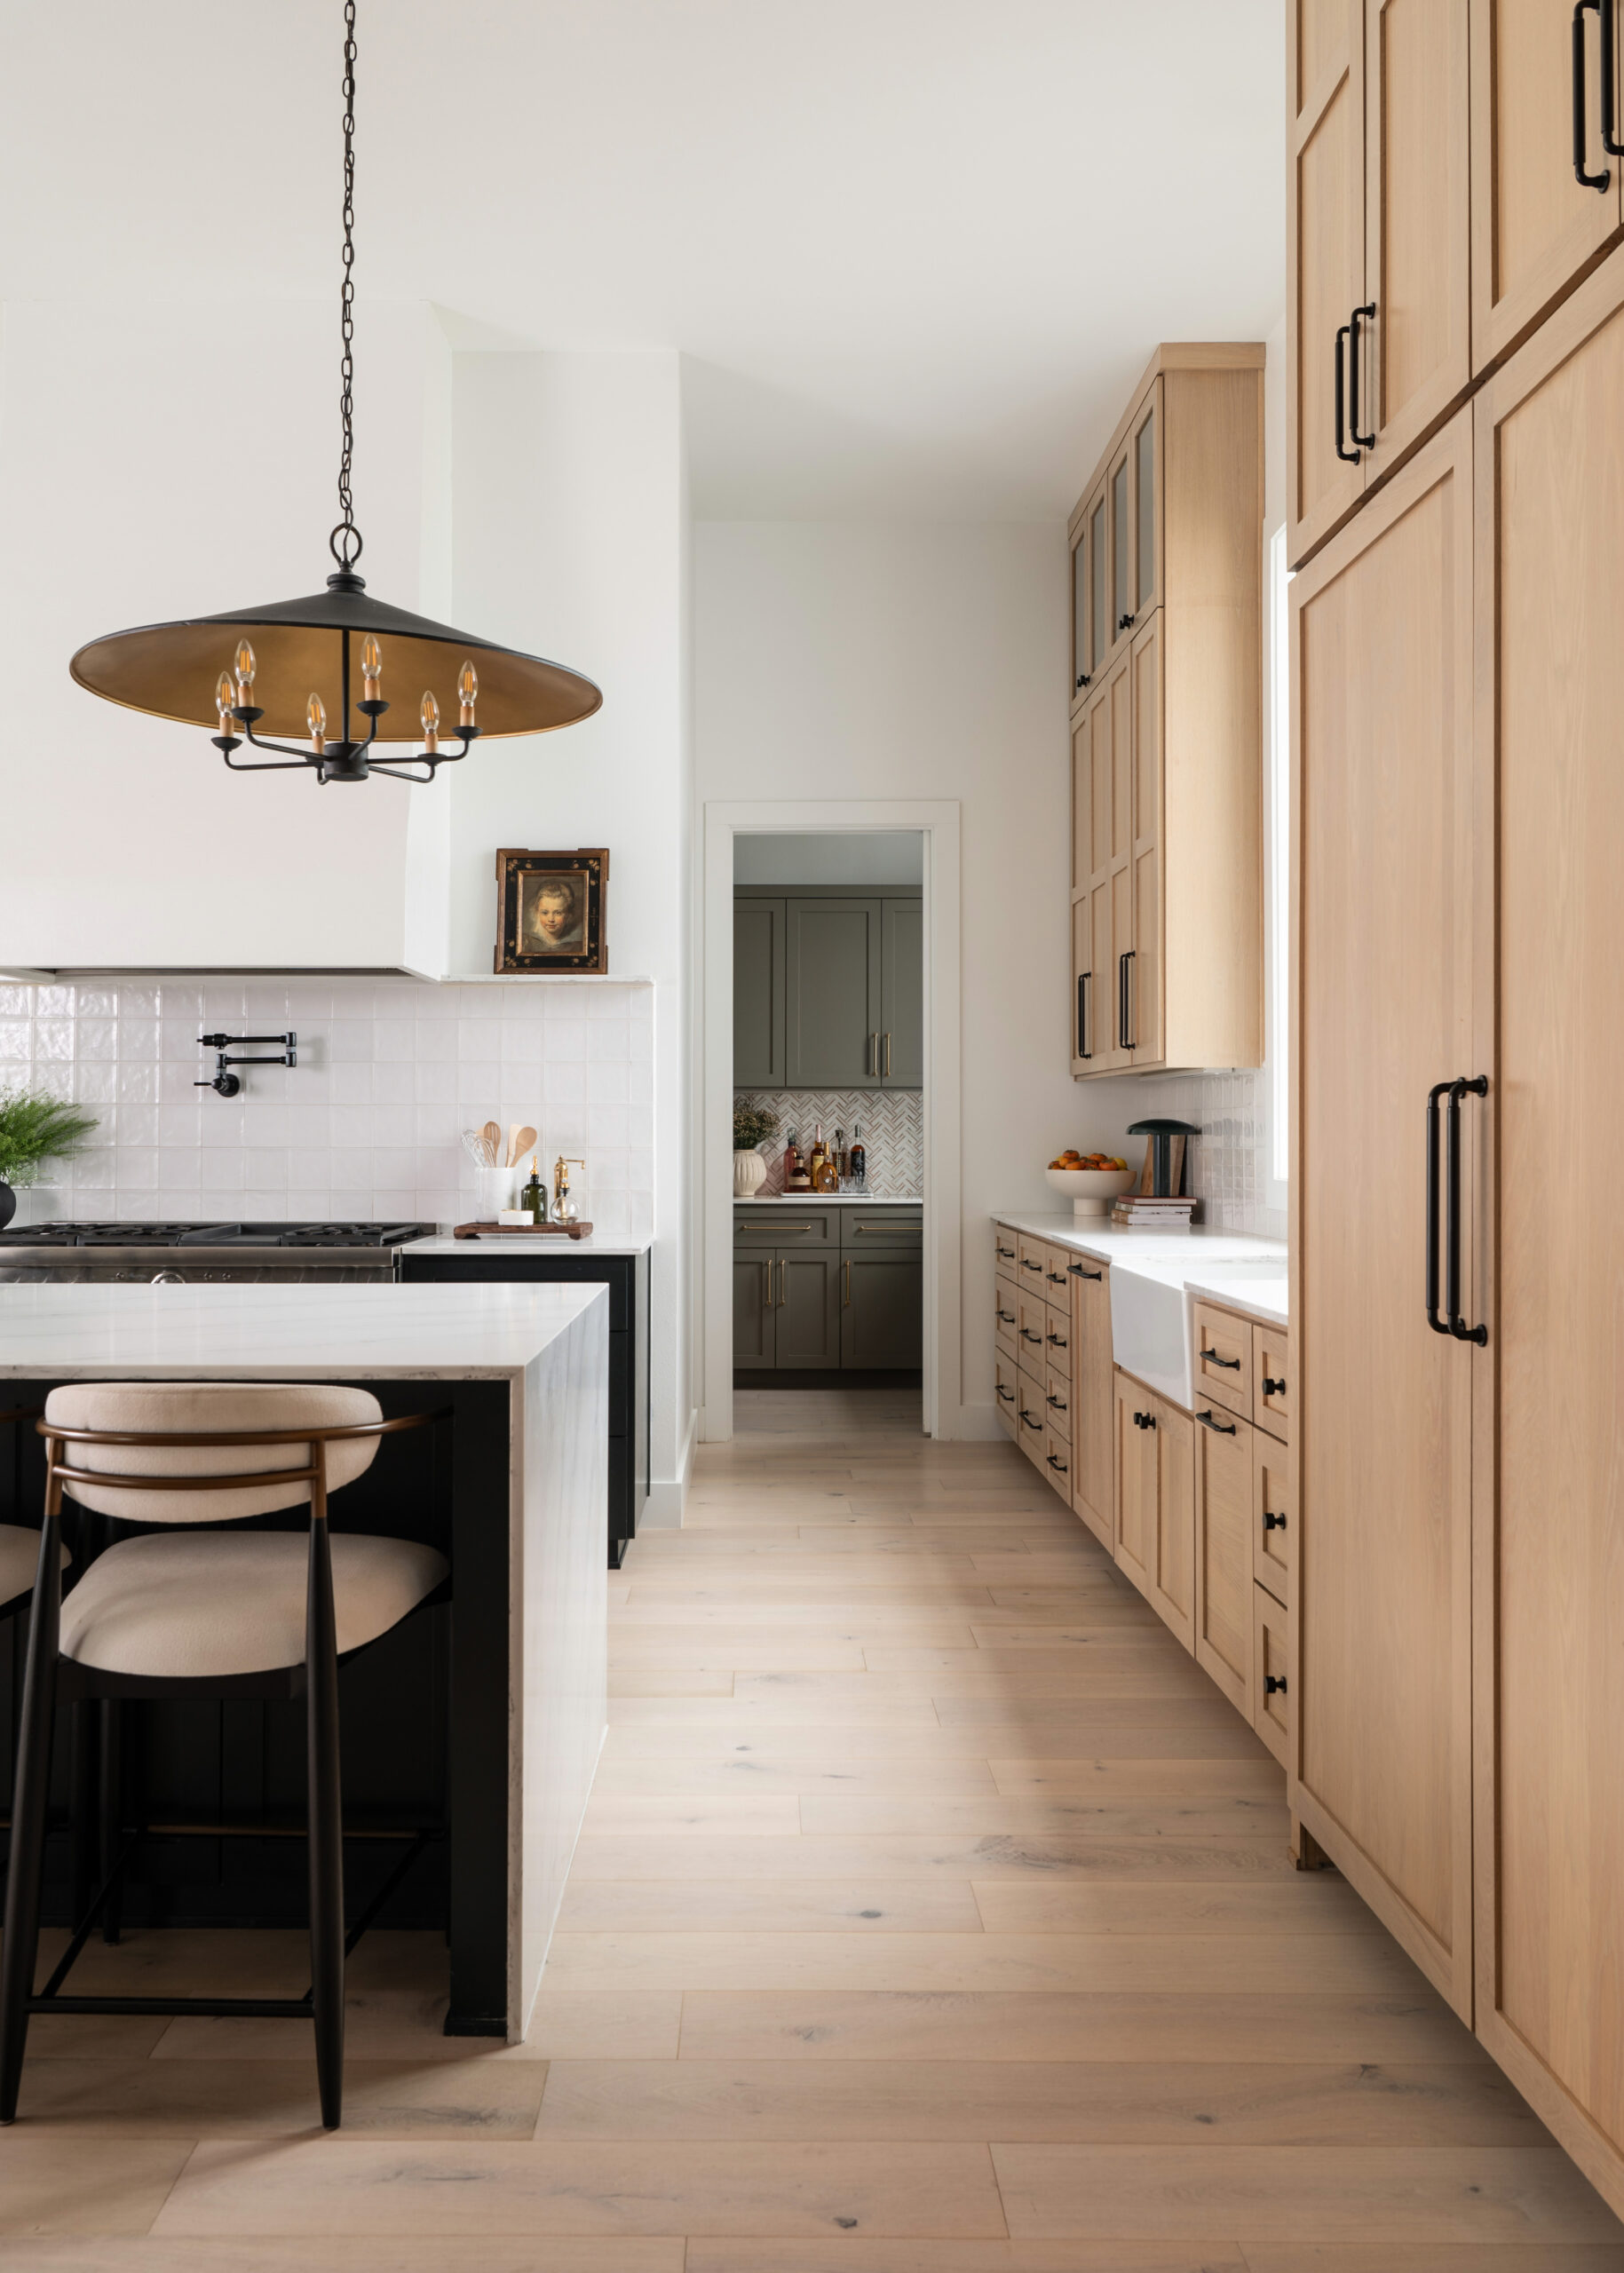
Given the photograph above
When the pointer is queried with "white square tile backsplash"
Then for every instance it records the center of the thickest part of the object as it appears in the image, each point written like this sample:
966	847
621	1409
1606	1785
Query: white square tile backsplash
1230	1166
368	1123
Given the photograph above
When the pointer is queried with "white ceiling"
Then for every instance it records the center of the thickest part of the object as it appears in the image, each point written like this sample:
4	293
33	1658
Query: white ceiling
915	250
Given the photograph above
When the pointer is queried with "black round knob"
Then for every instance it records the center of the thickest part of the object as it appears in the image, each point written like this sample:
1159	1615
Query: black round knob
1274	1683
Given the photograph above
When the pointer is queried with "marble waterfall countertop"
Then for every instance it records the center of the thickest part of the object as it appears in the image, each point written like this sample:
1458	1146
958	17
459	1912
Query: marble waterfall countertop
538	1356
521	1243
1183	1258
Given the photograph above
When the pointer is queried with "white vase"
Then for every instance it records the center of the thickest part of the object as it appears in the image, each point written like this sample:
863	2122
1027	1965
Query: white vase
749	1174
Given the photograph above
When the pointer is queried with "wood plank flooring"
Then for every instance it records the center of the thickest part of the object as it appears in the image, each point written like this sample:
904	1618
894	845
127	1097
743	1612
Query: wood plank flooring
932	1915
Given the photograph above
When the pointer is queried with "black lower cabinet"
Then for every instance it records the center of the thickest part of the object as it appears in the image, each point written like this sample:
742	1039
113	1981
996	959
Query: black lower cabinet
626	1276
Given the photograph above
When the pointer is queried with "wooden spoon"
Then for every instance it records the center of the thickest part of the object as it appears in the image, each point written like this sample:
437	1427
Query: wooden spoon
492	1133
523	1138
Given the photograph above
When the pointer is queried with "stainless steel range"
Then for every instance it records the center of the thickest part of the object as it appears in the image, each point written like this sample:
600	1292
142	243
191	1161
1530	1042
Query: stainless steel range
181	1253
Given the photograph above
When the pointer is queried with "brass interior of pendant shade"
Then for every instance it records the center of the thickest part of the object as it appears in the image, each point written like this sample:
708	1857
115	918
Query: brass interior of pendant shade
171	670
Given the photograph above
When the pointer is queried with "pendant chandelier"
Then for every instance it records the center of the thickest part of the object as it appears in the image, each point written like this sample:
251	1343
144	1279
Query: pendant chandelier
293	666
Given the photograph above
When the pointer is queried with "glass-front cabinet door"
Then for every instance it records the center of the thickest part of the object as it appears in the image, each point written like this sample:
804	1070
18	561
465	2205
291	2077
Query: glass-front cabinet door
1145	450
1100	641
1120	485
1081	673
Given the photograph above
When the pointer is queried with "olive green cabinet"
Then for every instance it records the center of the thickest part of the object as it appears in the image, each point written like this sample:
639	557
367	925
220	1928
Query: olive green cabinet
828	990
881	1319
824	1287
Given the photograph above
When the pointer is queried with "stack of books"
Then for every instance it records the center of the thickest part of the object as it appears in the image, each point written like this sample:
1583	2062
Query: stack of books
1139	1211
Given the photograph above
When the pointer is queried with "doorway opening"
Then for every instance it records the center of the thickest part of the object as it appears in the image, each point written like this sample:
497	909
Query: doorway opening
830	1206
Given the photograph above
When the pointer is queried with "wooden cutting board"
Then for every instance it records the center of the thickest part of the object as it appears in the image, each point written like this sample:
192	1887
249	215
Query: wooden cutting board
521	1230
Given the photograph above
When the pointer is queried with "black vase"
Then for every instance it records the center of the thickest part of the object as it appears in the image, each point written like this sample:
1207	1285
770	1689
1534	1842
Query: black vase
8	1203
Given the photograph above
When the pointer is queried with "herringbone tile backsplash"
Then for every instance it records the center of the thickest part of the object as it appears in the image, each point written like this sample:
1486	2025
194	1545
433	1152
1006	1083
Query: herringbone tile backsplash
892	1122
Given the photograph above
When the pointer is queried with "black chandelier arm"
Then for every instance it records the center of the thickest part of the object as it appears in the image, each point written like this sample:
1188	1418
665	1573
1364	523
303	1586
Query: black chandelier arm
433	760
227	743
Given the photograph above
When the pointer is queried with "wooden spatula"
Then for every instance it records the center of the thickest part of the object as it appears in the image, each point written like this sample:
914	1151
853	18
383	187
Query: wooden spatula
522	1140
492	1133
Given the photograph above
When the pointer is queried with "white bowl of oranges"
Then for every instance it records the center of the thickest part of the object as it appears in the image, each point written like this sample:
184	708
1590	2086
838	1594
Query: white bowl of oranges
1093	1179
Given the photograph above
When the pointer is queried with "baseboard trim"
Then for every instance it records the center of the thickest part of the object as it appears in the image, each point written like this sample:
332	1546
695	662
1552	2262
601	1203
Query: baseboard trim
667	1495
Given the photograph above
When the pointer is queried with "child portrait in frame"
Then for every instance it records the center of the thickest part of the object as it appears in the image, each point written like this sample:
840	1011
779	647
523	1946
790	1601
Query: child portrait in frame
551	910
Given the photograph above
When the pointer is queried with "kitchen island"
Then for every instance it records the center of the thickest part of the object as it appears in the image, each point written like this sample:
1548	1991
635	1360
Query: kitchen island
501	1692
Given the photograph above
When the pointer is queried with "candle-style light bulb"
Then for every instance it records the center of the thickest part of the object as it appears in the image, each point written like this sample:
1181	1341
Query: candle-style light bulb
371	668
245	673
315	714
224	696
429	712
467	694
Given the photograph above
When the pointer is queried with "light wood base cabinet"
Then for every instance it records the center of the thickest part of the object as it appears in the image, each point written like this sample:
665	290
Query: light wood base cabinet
1155	1503
1224	1583
1093	1399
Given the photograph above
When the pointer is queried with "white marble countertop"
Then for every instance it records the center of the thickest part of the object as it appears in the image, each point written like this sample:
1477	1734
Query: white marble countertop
1181	1258
296	1332
521	1243
829	1199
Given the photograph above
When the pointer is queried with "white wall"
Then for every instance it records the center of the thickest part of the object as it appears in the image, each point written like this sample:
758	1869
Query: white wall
569	513
164	459
926	662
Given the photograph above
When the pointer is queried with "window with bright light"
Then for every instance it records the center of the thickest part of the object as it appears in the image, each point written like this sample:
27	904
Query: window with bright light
1280	853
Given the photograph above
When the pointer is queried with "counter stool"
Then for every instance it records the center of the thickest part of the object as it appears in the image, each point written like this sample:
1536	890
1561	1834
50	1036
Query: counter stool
192	1613
19	1546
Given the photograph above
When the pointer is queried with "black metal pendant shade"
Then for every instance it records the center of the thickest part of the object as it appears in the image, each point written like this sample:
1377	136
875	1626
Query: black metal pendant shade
171	670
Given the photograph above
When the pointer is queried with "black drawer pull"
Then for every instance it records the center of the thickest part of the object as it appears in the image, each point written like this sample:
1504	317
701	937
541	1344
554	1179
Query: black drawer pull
1026	1263
1037	1426
1274	1684
1026	1335
1058	1402
1586	179
1273	1389
1351	457
1006	1318
1007	1394
1219	1428
1054	1461
1362	441
1078	1272
1213	1358
1055	1278
1008	1253
1059	1340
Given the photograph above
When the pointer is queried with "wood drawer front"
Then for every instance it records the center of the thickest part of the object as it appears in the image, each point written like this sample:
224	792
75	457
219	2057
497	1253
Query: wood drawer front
1032	1331
1006	1390
1057	1462
1058	1400
1031	1261
1271	1709
1272	1379
1031	1433
1004	1254
787	1227
1274	1544
1223	1359
1005	1315
1058	1340
1224	1589
1057	1280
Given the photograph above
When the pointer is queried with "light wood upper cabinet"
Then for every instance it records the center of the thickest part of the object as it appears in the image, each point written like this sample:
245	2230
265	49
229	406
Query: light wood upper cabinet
1416	345
1166	780
1536	227
1325	257
1382	816
1548	1467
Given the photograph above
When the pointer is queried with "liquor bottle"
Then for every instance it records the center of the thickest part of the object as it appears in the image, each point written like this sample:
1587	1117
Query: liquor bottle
842	1166
796	1178
824	1177
814	1166
859	1158
533	1199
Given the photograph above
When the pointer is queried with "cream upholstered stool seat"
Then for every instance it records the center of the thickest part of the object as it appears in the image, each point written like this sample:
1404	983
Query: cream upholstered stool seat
19	1561
199	1607
180	1610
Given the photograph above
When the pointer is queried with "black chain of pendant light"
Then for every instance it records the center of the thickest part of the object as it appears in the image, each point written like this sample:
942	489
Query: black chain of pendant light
345	541
331	639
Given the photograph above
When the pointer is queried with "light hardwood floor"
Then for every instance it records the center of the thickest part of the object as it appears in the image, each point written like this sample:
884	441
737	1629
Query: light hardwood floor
933	1915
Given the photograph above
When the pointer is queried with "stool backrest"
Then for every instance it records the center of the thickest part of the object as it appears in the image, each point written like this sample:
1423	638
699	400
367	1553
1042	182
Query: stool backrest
206	1408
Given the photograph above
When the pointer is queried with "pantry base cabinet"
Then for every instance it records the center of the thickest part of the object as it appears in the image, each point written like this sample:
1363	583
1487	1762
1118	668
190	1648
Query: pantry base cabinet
1548	1392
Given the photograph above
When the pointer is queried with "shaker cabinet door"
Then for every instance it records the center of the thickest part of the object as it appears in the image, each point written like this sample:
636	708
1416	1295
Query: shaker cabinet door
807	1323
754	1297
833	1018
758	994
881	1314
902	1010
1325	274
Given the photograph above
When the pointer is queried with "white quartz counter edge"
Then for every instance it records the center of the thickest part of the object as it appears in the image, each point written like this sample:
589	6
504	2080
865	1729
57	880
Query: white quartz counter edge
522	1243
828	1199
1186	1252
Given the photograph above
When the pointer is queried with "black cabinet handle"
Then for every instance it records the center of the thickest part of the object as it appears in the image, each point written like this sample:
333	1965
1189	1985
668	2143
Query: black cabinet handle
1452	1216
1274	1684
1122	962
1361	441
1273	1387
1078	1272
1126	622
1350	456
1433	1133
1083	978
1609	141
1055	1278
1218	1428
1007	1252
1082	678
1586	179
1144	1419
1009	1397
1059	1340
1035	1426
1055	1462
1006	1318
1058	1402
1026	1335
1272	1521
1026	1263
1213	1358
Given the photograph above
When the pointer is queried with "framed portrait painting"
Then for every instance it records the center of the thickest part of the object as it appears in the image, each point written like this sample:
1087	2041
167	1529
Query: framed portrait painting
551	910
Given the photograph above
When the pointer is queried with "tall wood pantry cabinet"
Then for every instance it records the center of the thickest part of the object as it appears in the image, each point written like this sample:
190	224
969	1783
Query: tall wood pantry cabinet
1457	1242
1166	766
1449	183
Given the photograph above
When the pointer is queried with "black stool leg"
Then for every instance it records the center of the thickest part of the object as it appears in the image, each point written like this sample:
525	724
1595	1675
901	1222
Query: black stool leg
82	1829
111	1809
29	1795
326	1820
